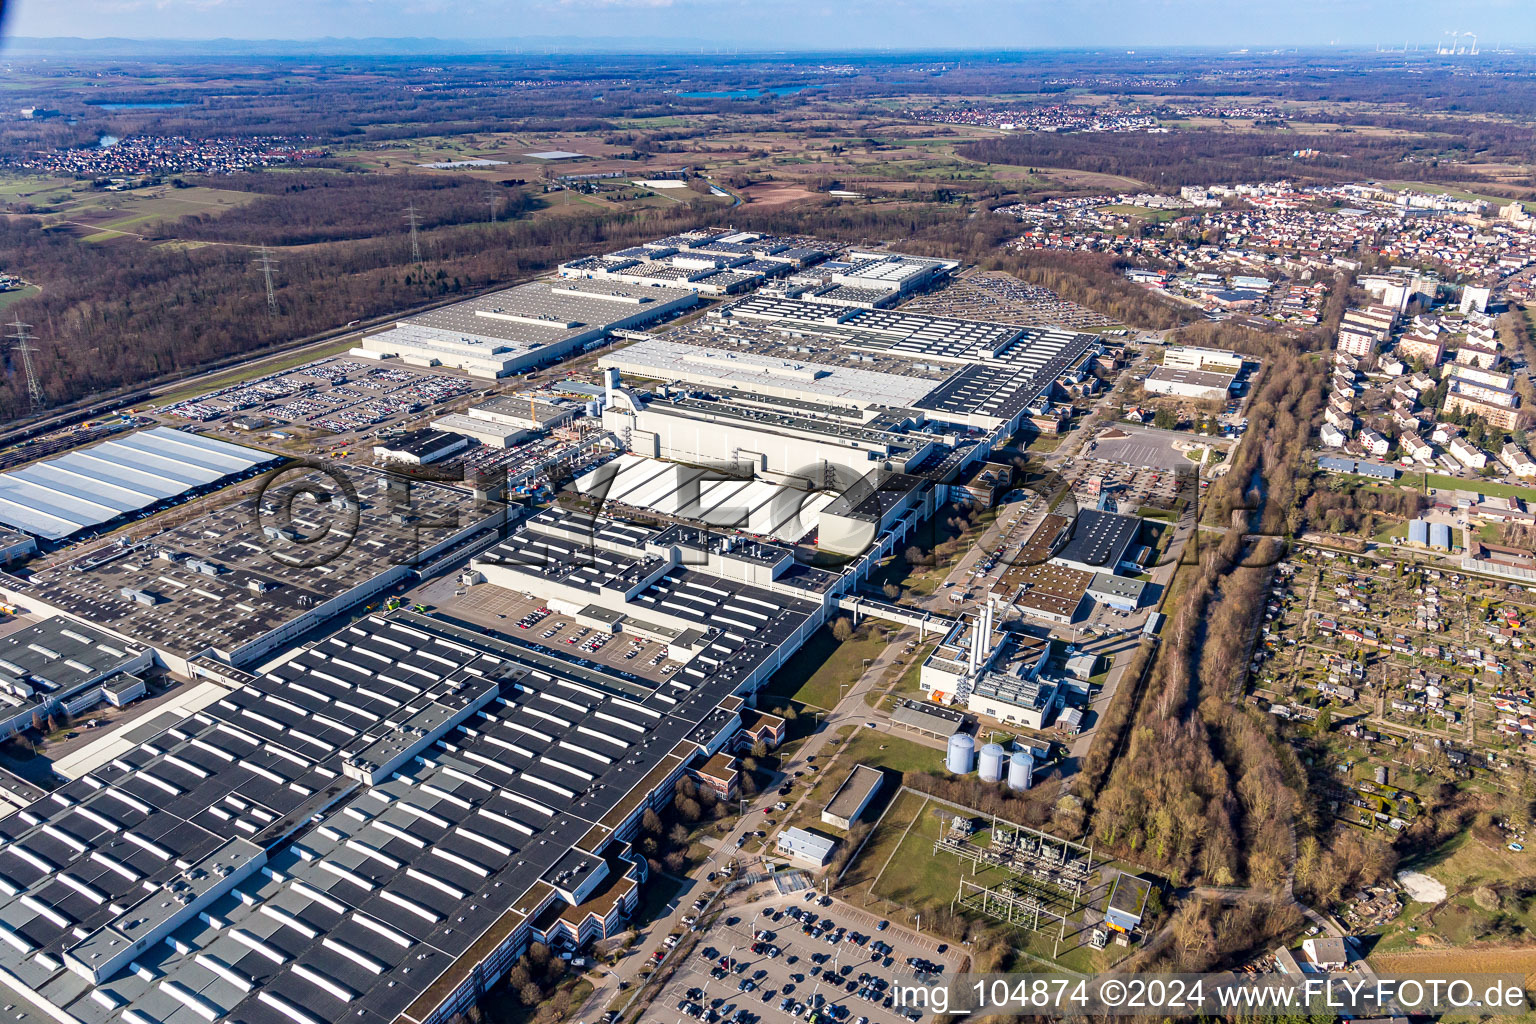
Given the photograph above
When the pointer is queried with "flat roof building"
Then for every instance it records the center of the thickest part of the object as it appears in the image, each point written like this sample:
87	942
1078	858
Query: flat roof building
1201	384
477	428
525	413
853	797
1359	467
1127	902
1119	592
521	328
968	373
805	847
1028	701
54	665
1100	542
421	447
374	830
932	719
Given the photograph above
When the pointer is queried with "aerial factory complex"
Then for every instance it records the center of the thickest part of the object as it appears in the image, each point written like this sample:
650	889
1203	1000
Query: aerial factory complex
603	537
408	666
400	769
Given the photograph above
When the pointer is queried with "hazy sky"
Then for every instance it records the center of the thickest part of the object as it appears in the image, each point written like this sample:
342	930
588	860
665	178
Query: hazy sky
815	24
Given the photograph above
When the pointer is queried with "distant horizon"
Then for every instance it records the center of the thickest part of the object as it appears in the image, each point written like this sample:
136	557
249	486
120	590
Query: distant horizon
497	45
407	46
791	26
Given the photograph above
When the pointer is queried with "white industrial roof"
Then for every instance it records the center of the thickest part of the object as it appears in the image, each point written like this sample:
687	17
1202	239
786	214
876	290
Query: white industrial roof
82	489
754	506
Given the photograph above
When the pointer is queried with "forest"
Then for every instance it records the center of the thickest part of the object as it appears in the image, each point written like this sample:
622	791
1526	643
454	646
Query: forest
308	206
121	314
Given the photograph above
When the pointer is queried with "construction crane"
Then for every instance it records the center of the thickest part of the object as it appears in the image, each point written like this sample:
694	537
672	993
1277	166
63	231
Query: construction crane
23	337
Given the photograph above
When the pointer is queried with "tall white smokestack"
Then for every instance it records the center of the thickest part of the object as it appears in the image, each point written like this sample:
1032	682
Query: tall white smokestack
986	634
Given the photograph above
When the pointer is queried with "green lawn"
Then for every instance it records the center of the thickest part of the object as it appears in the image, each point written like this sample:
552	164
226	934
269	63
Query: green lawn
816	673
1439	481
7	299
1490	487
909	684
883	750
1143	212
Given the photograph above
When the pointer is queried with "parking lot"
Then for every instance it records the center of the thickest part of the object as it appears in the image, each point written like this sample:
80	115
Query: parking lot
509	612
1144	449
333	395
1132	488
801	956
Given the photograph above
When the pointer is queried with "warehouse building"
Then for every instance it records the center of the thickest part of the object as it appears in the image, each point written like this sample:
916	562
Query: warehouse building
880	273
420	447
60	665
740	369
1122	593
522	328
373	831
477	428
1194	357
97	488
1101	542
524	413
16	546
965	373
778	437
1201	384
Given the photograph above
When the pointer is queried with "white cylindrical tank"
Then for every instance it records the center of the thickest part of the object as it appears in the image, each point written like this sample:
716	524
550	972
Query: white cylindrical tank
1021	770
961	756
992	758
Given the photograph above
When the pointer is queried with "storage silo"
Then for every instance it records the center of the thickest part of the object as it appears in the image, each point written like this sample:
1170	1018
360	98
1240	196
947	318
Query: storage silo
961	756
1021	770
992	758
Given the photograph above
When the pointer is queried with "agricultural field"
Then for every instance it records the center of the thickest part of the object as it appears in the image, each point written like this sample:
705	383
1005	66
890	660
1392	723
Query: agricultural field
99	215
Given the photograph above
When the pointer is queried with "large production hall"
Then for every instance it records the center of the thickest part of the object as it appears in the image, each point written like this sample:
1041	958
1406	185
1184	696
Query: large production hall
456	803
91	488
463	791
966	373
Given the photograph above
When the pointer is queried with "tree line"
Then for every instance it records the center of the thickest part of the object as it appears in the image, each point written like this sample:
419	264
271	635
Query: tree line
120	314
